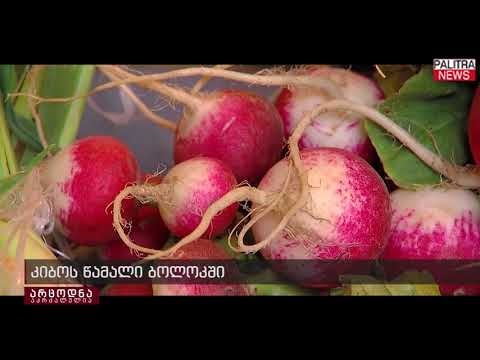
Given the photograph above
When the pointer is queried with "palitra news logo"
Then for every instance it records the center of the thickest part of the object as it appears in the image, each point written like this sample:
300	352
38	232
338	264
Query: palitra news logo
454	70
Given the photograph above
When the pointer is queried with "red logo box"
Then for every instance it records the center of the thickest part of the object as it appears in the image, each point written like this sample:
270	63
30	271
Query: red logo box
85	295
454	70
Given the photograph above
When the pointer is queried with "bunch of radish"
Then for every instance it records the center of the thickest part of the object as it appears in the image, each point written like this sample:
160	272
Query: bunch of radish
323	201
347	212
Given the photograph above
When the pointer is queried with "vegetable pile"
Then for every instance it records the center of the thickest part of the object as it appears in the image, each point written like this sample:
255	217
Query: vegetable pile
365	164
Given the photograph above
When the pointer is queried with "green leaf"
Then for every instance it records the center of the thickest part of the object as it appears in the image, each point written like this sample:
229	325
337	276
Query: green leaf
396	75
7	155
20	70
277	286
24	129
8	78
8	183
21	102
60	120
435	113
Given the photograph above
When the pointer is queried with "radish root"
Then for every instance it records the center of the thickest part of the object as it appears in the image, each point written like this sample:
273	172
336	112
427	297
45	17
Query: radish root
204	80
149	192
256	218
190	100
117	118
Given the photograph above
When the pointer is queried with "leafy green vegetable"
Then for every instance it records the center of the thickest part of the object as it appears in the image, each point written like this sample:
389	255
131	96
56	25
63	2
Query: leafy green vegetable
435	113
60	120
21	103
8	81
8	161
8	78
24	129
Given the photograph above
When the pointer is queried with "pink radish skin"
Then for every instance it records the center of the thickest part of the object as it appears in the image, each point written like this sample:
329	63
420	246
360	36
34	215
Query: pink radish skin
191	187
202	249
347	193
436	224
242	129
85	178
333	129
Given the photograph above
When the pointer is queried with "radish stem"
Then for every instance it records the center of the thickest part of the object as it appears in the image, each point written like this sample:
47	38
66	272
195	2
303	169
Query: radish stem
203	81
266	80
191	101
258	217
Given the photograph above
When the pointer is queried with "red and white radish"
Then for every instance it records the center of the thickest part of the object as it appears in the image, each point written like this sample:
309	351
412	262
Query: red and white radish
293	202
474	127
201	249
435	224
240	128
183	196
189	188
290	203
84	179
337	129
346	216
